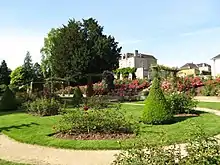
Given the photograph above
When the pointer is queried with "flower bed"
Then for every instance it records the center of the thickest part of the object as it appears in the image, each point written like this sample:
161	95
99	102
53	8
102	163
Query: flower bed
182	84
124	87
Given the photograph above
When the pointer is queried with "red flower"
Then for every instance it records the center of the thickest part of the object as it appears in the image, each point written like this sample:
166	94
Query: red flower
86	108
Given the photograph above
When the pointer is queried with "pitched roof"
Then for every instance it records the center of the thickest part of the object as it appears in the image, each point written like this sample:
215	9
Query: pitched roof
202	64
140	55
189	66
218	56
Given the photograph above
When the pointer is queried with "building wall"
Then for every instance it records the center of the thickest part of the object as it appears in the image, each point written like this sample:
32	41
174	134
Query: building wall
144	62
127	62
205	68
187	72
216	67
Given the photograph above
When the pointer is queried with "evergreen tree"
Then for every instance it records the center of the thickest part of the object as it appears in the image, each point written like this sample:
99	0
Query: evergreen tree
38	74
4	73
28	68
156	110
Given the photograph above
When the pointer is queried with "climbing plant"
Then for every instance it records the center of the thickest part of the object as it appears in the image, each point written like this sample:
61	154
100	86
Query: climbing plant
172	71
125	71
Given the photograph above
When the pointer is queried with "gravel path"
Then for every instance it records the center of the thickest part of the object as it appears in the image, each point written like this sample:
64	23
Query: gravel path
33	154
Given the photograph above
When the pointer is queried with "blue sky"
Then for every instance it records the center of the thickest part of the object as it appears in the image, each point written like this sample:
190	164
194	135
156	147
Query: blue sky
174	31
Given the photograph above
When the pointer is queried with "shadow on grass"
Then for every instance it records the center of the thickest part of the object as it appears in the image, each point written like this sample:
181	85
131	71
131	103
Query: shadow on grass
17	126
2	113
179	118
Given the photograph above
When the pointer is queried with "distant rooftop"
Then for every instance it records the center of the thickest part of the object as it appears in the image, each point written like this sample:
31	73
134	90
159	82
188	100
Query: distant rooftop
136	54
218	56
194	66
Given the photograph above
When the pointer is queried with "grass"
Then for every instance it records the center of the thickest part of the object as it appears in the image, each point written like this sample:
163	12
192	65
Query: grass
35	130
211	105
4	162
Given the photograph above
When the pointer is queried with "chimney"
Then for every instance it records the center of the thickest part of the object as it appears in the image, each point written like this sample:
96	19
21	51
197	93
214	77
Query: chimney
135	53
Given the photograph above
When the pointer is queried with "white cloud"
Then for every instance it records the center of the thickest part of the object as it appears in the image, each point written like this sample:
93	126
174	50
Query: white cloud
15	43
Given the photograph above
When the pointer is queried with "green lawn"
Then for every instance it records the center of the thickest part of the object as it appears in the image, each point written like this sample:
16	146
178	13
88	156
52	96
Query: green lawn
35	130
3	162
211	105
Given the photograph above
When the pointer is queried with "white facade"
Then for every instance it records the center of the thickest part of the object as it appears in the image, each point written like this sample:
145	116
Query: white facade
140	61
216	66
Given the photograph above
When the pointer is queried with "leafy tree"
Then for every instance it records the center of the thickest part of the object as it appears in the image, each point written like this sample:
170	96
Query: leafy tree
38	74
46	52
79	48
28	68
4	73
17	76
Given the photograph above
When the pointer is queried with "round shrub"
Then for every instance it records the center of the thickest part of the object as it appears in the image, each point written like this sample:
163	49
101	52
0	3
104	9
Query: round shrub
180	103
8	101
43	107
156	110
97	102
111	120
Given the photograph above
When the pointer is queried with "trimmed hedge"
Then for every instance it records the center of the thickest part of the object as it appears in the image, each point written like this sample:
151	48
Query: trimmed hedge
8	101
156	110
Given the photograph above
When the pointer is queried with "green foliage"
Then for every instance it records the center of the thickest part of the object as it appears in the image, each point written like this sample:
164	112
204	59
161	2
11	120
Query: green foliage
209	90
108	80
156	110
4	74
43	107
97	102
8	101
17	76
46	52
180	103
37	73
2	89
77	97
79	48
96	121
28	68
201	151
125	71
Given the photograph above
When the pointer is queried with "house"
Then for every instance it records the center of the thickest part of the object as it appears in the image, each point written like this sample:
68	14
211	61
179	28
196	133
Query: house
188	69
195	69
138	60
216	66
204	68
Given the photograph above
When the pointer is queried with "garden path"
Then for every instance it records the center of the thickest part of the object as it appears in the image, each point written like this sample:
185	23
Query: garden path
38	155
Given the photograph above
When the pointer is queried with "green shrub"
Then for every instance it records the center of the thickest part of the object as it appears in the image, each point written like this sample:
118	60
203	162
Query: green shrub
77	97
205	151
43	107
96	121
208	90
156	110
180	102
2	89
8	101
97	102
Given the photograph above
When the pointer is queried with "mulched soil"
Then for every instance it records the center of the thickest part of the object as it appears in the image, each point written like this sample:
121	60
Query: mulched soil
94	136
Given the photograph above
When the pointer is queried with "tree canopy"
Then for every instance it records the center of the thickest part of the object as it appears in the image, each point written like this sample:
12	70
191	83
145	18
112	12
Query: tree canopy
4	73
79	48
17	76
28	68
